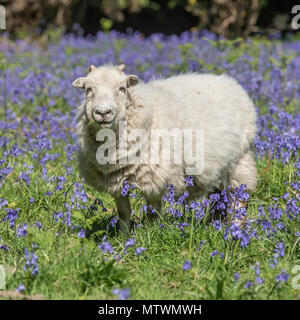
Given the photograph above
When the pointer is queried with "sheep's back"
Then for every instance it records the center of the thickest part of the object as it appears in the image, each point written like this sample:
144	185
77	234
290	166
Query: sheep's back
216	104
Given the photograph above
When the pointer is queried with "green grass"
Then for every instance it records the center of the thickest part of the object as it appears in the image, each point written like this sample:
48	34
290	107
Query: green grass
73	268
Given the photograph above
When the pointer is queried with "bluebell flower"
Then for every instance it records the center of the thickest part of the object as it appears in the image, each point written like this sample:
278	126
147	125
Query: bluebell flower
3	203
189	181
236	277
129	243
181	226
31	262
39	224
123	294
22	230
214	253
217	225
105	247
187	265
4	247
139	251
283	276
21	288
11	216
126	188
248	285
279	249
81	234
260	280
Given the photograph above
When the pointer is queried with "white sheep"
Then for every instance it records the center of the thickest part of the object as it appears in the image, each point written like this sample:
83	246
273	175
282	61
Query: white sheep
216	104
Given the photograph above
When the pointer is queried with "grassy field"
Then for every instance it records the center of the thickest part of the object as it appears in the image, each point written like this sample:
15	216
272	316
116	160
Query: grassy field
58	240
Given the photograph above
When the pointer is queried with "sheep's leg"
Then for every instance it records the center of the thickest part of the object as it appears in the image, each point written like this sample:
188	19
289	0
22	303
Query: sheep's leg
156	208
244	173
124	211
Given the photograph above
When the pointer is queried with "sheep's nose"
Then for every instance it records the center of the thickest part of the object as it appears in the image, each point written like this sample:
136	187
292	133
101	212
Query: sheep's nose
100	114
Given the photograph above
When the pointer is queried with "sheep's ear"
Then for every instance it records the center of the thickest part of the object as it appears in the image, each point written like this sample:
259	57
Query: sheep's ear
132	80
79	82
121	67
91	68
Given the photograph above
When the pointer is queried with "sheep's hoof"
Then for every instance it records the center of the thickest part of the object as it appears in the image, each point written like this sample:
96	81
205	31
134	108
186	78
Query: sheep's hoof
235	205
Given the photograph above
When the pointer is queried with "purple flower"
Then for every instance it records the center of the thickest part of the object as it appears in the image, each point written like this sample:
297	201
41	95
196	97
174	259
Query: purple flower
275	212
248	285
12	216
182	226
182	199
24	177
260	280
139	251
129	243
217	225
126	188
256	268
214	253
187	265
113	221
81	234
22	230
31	262
3	203
21	288
236	277
39	224
123	294
283	276
169	197
279	249
189	181
105	246
4	247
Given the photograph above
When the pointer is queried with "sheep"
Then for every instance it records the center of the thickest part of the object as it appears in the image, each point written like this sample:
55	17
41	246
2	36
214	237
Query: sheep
216	104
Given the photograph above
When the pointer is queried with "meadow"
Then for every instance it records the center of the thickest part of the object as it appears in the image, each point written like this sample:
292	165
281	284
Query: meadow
59	238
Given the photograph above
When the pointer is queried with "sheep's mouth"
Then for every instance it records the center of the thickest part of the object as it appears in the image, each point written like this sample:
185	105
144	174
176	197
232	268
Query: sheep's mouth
106	124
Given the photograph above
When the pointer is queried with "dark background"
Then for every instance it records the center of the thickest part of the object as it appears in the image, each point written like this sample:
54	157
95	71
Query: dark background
229	18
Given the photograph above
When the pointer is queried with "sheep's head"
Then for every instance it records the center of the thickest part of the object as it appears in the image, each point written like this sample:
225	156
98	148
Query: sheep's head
107	94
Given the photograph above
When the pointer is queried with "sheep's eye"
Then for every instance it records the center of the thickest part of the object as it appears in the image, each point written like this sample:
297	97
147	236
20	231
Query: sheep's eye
88	91
122	89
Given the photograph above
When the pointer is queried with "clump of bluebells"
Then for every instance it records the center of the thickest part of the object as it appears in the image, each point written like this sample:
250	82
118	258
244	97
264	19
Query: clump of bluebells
127	187
40	164
31	262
